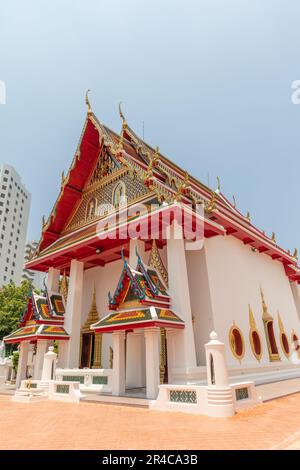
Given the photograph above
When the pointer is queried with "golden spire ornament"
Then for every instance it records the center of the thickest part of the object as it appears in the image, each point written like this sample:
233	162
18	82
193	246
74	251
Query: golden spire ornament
248	216
64	287
273	237
87	102
295	254
124	122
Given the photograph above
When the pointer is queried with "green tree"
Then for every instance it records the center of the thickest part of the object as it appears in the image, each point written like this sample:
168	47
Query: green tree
13	300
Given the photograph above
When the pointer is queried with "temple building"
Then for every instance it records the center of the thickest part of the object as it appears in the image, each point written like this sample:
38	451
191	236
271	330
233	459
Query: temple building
143	261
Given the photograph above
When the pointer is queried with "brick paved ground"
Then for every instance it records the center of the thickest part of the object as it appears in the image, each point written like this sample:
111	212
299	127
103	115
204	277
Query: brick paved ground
56	425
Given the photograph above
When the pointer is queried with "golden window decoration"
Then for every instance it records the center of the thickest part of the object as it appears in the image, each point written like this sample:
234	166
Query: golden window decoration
254	337
269	331
236	341
283	338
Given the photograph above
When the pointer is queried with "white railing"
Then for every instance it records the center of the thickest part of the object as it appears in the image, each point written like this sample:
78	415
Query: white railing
89	379
61	390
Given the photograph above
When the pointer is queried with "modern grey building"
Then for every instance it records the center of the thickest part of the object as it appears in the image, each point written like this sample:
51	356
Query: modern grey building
35	277
14	212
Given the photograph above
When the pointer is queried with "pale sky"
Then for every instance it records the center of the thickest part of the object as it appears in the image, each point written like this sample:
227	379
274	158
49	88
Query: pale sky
211	79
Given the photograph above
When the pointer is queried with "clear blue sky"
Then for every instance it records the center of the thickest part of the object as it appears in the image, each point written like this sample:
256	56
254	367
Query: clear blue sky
211	79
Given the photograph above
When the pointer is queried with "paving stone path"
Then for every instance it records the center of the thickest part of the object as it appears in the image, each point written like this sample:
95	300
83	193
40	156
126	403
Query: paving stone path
56	425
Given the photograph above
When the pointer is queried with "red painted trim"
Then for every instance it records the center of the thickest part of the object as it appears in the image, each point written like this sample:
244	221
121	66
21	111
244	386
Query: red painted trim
138	326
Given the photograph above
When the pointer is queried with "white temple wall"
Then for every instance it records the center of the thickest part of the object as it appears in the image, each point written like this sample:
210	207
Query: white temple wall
235	275
105	279
200	301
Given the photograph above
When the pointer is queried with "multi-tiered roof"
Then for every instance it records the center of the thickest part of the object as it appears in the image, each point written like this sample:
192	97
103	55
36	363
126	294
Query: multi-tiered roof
43	318
163	182
140	300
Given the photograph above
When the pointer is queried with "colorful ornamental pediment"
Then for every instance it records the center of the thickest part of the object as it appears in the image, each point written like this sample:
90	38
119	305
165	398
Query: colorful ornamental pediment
36	332
137	319
42	318
142	285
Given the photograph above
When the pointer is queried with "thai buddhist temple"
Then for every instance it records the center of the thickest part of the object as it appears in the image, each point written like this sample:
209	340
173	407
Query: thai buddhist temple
143	262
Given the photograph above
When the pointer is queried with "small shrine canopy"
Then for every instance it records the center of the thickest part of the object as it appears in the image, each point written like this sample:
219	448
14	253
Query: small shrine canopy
43	318
138	318
140	300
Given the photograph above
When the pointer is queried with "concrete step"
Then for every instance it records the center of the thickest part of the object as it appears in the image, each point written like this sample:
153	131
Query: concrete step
112	400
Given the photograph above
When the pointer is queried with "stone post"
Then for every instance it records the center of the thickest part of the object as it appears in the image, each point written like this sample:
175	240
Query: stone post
49	366
219	394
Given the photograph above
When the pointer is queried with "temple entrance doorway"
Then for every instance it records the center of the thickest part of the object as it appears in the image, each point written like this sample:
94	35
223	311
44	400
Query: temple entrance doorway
87	350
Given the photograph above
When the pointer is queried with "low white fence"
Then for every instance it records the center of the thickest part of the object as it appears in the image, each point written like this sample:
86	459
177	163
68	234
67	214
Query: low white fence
212	401
245	395
61	390
89	379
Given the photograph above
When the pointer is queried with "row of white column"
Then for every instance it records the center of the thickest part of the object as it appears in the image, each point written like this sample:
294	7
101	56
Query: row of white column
152	346
181	344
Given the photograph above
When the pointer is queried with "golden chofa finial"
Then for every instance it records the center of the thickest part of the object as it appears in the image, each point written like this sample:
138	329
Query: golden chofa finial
43	221
234	201
273	237
295	254
124	123
87	102
218	185
248	215
62	178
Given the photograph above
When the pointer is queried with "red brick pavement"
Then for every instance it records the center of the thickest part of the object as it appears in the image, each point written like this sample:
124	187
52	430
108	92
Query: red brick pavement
57	425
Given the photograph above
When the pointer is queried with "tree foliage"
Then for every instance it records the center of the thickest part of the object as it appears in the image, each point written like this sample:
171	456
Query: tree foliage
13	300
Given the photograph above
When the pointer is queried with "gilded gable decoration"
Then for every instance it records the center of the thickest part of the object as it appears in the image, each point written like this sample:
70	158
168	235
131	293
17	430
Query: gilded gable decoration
119	195
91	209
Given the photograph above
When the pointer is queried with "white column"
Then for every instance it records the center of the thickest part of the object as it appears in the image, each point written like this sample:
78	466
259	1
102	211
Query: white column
53	279
171	352
49	365
184	341
152	339
118	375
62	354
22	364
135	360
73	313
41	349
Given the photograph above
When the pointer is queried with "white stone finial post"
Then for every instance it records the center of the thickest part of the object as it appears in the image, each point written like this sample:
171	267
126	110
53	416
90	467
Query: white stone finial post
219	394
49	365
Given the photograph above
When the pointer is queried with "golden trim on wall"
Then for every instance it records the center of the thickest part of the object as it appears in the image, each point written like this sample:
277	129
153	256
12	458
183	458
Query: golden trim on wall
254	331
234	344
269	330
283	336
296	347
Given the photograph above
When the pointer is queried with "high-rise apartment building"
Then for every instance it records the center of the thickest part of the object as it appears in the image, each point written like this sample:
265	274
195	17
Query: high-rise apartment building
14	212
35	277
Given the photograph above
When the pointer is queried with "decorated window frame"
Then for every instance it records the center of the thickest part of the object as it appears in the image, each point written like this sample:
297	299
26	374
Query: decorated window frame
236	342
254	337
